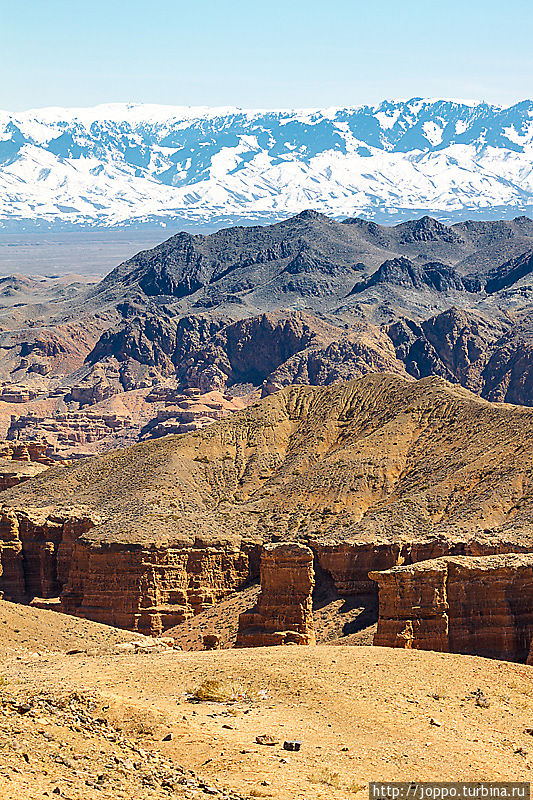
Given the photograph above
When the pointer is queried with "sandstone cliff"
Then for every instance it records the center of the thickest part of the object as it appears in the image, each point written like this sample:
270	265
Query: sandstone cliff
482	606
284	610
369	474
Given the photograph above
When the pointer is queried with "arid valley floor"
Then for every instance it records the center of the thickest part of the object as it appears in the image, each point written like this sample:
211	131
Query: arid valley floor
99	717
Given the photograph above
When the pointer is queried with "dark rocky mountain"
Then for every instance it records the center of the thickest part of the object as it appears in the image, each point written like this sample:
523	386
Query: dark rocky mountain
308	255
405	273
275	350
510	273
307	300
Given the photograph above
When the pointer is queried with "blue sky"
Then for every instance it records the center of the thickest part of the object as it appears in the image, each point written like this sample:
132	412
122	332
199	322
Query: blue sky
263	54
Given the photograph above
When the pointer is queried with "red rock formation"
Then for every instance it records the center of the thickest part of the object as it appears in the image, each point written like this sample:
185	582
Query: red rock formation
35	551
145	588
482	606
14	472
349	563
284	613
148	588
34	452
64	432
188	410
376	473
20	461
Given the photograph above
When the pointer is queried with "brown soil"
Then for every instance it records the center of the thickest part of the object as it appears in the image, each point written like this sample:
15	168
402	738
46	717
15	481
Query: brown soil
361	713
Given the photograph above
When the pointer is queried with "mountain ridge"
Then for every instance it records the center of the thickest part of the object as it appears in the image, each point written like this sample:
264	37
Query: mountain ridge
151	165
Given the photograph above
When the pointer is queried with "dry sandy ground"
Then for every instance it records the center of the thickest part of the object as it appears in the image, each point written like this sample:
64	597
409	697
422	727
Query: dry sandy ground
98	720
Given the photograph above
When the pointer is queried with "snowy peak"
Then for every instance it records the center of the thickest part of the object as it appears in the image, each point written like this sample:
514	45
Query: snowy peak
123	164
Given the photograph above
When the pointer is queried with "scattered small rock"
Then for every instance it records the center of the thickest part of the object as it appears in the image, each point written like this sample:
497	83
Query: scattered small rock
292	745
482	701
433	721
167	738
267	738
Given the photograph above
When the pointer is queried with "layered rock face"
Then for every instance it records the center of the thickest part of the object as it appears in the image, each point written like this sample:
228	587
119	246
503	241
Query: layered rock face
11	393
284	611
29	452
36	549
147	589
66	431
189	411
480	606
21	461
349	563
14	472
151	589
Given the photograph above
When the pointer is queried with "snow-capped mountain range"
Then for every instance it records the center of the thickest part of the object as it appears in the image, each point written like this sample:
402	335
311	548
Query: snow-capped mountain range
125	164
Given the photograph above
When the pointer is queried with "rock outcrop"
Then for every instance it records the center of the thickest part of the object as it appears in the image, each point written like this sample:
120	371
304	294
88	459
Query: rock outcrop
150	589
63	433
406	274
275	350
36	549
480	606
189	411
491	357
27	451
284	611
147	589
20	461
11	393
14	472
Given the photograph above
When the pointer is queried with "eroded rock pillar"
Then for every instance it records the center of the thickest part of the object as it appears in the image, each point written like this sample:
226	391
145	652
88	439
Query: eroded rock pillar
284	611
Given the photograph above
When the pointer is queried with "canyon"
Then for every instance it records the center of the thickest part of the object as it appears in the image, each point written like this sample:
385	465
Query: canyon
369	474
359	390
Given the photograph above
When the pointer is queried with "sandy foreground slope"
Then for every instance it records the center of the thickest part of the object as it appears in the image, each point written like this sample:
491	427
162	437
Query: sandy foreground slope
99	720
